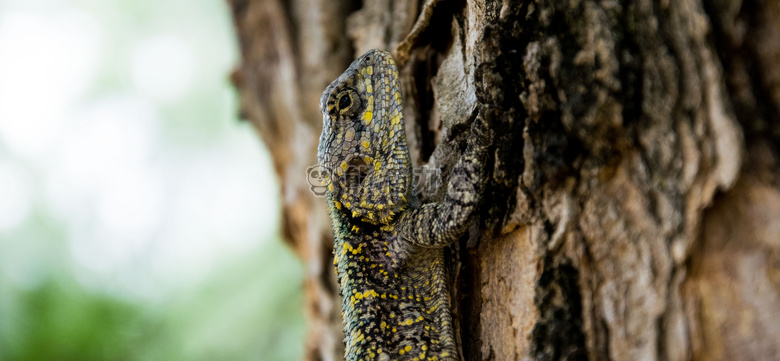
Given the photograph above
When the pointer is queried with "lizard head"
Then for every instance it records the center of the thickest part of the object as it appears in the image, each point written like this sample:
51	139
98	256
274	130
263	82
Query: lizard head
363	141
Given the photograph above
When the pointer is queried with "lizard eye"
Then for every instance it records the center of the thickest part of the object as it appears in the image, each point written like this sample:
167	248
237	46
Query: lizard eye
345	100
348	102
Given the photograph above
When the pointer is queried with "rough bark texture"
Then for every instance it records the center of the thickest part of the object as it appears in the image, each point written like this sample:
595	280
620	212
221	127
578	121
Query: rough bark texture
633	211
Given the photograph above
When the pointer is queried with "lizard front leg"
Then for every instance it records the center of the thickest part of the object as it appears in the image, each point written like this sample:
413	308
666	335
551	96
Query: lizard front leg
441	224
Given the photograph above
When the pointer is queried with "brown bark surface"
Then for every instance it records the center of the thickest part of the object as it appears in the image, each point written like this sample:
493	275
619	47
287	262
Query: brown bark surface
633	209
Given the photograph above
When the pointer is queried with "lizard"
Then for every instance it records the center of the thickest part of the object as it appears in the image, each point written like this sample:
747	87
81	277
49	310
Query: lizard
388	248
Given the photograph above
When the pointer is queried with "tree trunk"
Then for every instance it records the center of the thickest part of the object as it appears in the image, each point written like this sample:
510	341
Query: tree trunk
633	209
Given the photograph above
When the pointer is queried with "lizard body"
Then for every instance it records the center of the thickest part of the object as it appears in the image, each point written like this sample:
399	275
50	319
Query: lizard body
388	249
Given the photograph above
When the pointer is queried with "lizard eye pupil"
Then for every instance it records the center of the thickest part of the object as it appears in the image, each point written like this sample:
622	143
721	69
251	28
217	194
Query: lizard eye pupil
345	101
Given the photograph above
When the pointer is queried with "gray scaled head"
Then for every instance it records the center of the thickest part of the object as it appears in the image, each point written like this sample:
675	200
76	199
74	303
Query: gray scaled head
363	140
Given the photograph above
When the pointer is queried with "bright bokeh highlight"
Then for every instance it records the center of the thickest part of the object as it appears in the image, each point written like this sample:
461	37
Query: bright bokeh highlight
138	217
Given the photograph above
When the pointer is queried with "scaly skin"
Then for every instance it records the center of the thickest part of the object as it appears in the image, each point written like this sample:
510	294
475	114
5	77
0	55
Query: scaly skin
388	249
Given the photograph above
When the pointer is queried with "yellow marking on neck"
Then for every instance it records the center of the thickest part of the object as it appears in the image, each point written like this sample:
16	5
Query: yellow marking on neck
396	119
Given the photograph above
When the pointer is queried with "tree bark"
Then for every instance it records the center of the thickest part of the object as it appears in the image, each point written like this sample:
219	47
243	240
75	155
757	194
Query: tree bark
633	209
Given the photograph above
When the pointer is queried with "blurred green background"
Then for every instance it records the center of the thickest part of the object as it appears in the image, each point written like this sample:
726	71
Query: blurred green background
138	216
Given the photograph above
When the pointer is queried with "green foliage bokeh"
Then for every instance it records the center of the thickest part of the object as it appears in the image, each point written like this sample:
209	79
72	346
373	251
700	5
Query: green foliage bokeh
246	304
